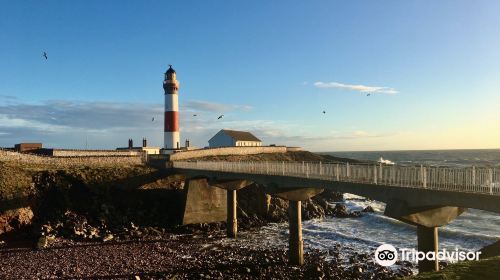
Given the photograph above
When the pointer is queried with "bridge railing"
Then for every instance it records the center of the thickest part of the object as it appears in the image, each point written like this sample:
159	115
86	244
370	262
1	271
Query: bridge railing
470	179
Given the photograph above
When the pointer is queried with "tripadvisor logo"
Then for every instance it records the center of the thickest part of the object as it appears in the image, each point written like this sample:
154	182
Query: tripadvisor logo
387	255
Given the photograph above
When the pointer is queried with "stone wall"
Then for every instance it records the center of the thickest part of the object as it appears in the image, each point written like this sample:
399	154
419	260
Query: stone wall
224	151
60	162
94	153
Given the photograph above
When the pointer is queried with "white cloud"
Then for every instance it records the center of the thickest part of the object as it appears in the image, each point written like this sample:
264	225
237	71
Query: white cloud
64	114
64	123
71	124
360	88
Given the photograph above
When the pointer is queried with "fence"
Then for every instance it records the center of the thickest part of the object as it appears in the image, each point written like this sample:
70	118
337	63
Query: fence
471	179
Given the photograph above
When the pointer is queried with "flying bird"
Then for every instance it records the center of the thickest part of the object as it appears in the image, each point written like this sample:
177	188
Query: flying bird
45	55
195	115
220	117
324	112
153	119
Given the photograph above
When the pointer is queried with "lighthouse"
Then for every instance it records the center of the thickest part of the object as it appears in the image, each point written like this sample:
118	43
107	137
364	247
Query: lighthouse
171	130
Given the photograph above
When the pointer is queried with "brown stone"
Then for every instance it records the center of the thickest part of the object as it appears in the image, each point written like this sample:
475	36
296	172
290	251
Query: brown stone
15	219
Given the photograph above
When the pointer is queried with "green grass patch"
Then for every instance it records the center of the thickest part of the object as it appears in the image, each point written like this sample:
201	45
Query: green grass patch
469	270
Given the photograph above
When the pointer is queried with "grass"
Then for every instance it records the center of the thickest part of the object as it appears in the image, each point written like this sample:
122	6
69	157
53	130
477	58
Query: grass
468	270
18	172
288	156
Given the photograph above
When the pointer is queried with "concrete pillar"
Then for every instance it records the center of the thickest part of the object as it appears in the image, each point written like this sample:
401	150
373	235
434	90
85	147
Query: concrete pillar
296	244
232	220
428	242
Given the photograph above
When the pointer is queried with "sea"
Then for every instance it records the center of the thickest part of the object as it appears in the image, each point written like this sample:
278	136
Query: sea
471	231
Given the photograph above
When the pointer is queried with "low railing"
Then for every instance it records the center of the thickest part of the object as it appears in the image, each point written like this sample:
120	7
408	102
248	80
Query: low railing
471	179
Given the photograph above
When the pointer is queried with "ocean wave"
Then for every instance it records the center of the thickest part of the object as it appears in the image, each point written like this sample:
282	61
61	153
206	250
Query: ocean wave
452	233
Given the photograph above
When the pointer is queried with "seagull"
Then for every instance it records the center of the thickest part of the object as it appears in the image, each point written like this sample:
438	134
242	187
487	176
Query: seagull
368	94
45	55
220	117
153	119
324	112
195	115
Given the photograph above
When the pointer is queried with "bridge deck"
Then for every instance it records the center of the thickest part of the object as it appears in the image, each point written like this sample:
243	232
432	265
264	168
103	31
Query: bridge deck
470	180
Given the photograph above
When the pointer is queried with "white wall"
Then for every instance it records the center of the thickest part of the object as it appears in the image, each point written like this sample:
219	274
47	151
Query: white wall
221	140
248	143
151	150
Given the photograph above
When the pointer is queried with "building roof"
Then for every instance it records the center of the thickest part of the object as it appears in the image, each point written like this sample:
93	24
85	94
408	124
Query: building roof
241	135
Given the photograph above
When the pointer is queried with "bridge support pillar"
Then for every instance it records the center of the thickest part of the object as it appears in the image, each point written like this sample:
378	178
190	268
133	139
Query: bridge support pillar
427	238
296	243
427	219
232	220
231	186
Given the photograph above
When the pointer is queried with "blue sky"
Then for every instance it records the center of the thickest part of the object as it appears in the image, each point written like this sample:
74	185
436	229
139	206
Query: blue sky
271	67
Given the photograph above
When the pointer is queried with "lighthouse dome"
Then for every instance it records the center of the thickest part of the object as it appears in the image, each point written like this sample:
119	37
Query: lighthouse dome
170	70
170	74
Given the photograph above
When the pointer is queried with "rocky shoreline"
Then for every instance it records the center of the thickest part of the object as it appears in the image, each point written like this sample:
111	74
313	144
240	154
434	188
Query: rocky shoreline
153	253
91	244
75	246
116	223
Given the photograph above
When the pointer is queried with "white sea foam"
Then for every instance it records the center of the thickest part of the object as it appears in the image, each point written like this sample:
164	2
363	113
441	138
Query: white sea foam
364	234
385	161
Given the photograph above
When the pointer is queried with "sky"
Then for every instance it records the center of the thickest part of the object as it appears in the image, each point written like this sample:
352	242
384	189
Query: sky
390	75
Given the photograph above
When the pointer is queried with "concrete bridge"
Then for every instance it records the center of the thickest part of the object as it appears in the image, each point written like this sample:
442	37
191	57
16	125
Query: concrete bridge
425	196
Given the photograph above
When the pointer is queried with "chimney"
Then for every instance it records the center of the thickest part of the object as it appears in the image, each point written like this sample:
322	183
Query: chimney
144	142
187	143
130	143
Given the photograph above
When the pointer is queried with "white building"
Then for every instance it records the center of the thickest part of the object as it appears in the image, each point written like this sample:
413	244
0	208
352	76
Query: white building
145	148
233	138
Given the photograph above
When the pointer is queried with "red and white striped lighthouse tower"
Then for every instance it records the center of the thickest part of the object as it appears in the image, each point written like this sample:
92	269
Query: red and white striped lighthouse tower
171	131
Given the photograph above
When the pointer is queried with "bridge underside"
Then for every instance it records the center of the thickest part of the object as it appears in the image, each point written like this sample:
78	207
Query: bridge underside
427	209
413	197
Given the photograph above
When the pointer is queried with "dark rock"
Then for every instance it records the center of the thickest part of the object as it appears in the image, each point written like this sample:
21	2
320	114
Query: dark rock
340	211
15	219
256	207
355	214
311	210
254	200
368	209
442	265
330	196
42	243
